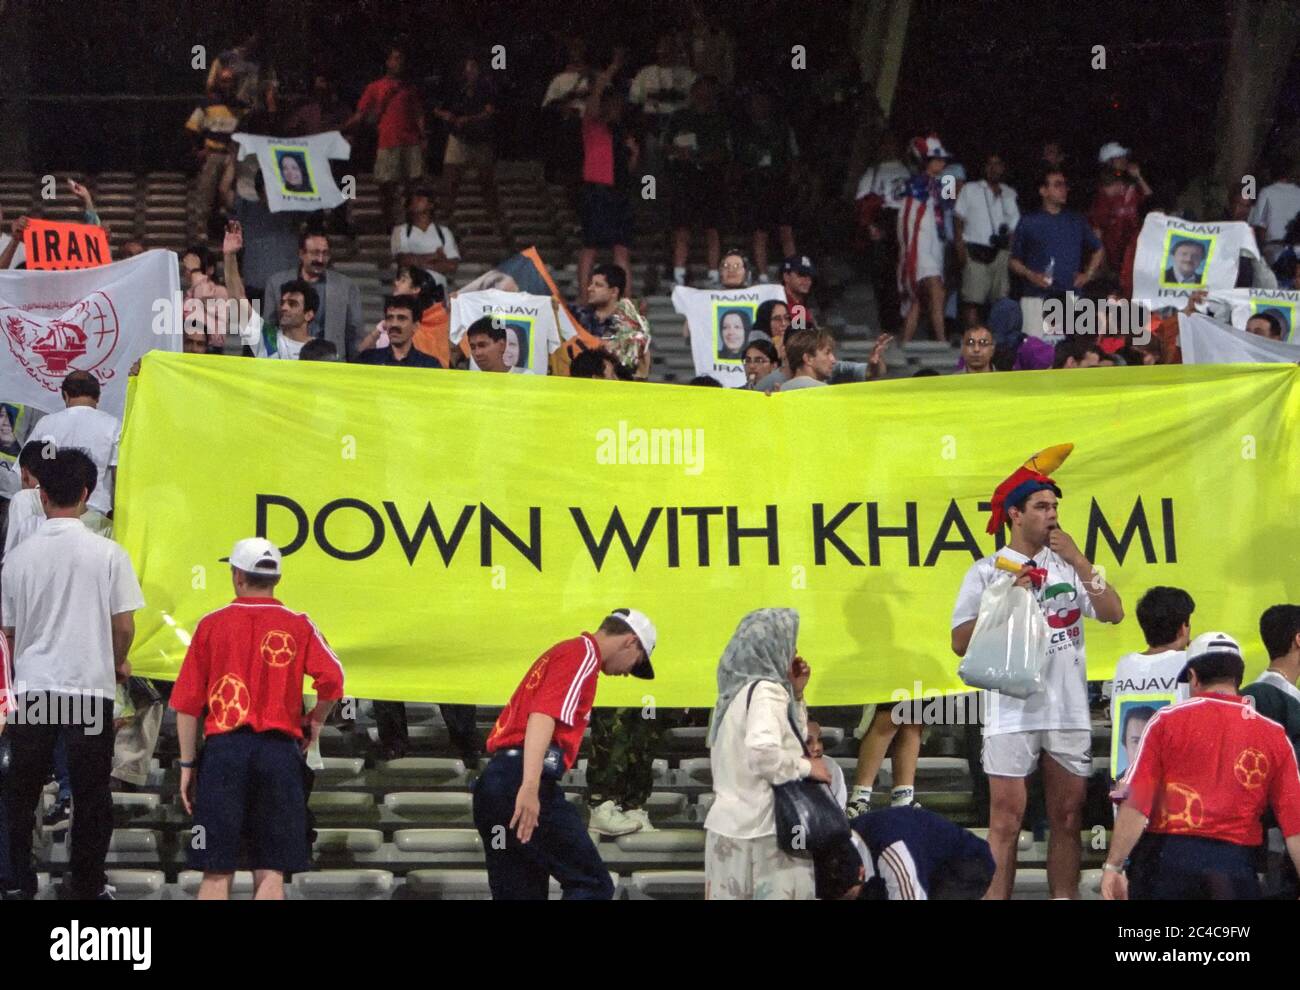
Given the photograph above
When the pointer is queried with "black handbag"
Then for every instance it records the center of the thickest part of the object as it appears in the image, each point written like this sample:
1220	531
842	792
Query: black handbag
808	818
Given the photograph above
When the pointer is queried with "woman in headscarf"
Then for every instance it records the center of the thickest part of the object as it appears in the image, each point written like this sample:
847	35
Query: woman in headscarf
755	743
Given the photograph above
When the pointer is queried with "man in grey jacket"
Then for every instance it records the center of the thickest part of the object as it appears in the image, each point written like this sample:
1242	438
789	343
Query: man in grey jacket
339	318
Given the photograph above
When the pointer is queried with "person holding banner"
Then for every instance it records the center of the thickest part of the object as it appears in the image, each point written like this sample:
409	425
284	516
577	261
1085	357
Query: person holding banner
1051	729
530	831
84	425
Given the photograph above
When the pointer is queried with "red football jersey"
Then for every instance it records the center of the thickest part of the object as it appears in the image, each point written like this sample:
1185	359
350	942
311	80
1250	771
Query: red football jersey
560	683
1210	766
245	667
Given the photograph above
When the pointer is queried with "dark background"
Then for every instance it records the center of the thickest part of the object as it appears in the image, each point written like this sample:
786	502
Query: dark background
986	76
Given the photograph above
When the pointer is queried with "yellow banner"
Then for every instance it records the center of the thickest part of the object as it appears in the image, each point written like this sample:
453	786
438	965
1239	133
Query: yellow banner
443	529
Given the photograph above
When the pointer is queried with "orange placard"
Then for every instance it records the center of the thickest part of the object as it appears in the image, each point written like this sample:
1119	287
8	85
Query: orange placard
54	245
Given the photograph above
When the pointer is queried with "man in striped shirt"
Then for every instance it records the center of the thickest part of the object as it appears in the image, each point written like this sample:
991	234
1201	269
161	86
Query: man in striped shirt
530	832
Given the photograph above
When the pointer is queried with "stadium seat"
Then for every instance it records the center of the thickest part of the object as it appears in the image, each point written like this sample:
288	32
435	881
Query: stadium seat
448	885
663	840
427	768
421	806
339	771
137	885
697	770
437	840
665	804
347	840
1030	885
347	885
703	805
666	885
335	805
187	886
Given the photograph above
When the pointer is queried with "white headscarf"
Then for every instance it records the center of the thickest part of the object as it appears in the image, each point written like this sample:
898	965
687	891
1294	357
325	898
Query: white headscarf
760	649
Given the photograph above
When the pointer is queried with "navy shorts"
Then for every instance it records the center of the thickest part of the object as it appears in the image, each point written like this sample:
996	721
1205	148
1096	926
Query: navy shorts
250	799
606	216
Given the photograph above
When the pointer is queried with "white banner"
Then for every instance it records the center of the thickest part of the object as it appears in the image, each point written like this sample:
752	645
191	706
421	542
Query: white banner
720	321
528	320
1177	257
296	171
1207	341
1284	304
99	320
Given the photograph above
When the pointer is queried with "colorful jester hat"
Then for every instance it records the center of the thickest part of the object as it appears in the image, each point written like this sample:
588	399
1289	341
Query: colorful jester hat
1028	478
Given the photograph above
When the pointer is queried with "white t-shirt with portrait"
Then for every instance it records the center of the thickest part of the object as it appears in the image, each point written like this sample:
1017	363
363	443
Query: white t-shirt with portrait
94	431
1063	702
1145	680
410	239
60	590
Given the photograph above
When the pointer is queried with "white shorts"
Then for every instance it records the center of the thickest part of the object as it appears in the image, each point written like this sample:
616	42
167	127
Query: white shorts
1016	754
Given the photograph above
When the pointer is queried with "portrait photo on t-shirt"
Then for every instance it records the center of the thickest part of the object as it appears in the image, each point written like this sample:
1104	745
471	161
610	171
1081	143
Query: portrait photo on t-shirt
1186	259
1135	711
1283	313
295	174
731	328
519	342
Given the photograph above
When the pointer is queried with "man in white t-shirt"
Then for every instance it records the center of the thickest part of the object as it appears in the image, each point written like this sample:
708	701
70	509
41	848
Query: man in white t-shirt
1053	722
66	607
985	216
422	243
83	424
285	341
1148	681
1277	206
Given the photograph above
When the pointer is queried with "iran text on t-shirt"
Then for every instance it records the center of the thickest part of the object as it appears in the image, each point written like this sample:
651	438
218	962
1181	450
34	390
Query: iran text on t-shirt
1042	238
1063	702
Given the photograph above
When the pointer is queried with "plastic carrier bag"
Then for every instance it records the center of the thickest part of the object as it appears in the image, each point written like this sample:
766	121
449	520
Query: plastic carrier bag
1009	645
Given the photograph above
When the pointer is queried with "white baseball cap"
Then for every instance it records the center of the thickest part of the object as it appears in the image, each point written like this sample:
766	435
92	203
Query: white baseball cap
1111	149
256	556
1206	644
645	632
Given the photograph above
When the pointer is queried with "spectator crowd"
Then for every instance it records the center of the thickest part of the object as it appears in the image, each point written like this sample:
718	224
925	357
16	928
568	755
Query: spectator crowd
976	256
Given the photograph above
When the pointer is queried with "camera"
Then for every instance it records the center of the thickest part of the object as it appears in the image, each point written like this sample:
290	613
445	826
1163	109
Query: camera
1002	239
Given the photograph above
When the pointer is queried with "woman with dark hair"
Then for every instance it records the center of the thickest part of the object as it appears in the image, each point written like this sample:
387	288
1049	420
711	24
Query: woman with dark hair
773	319
760	359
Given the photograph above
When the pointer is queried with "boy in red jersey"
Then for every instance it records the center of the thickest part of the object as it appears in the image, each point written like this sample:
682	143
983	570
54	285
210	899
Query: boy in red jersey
530	832
244	671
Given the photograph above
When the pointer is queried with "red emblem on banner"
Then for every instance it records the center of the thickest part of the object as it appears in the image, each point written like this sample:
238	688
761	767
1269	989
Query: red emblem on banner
81	339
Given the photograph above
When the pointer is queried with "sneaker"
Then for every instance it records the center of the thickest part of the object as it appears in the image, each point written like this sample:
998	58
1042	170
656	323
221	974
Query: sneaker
642	816
858	806
107	893
57	816
606	819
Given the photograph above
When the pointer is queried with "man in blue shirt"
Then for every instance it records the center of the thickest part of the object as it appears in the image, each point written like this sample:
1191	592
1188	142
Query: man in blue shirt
1054	250
905	854
401	317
